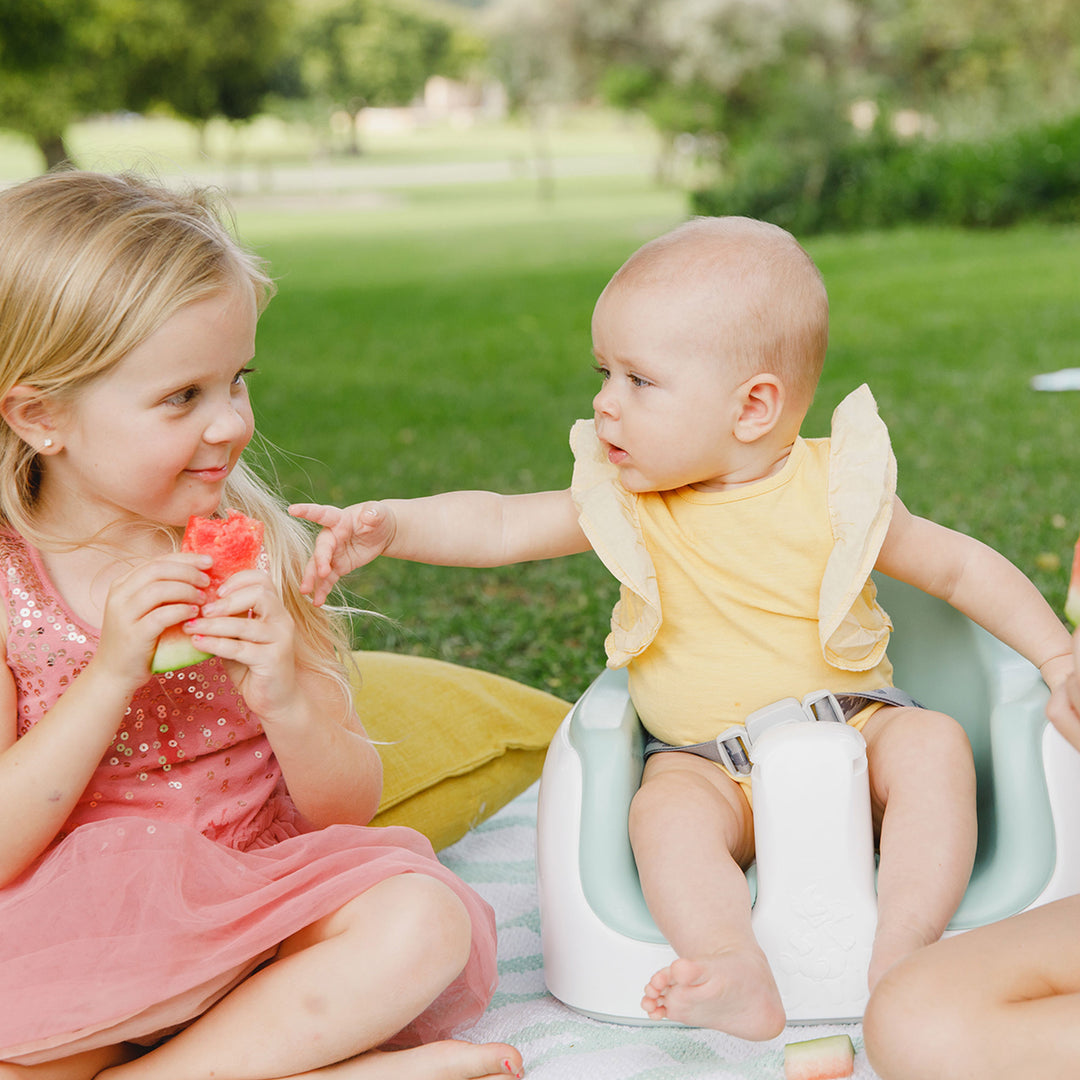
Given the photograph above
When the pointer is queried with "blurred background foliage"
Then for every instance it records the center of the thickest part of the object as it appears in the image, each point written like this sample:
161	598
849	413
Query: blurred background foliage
443	188
819	114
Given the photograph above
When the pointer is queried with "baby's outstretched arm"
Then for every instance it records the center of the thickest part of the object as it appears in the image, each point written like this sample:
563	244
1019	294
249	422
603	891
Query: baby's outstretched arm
457	528
980	582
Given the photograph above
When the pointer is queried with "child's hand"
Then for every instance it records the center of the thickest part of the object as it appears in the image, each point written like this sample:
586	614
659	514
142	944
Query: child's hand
1063	708
350	538
248	626
143	603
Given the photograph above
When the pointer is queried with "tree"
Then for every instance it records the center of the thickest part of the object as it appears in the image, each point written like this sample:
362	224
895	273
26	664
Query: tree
360	53
215	57
64	59
787	72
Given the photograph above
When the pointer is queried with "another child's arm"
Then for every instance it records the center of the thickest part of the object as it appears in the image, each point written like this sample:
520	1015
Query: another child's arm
983	584
1064	706
333	772
458	528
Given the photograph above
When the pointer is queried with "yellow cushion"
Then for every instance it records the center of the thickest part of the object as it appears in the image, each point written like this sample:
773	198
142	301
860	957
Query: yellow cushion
460	743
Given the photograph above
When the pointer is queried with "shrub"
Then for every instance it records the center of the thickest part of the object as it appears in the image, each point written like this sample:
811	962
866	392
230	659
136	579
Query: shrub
877	182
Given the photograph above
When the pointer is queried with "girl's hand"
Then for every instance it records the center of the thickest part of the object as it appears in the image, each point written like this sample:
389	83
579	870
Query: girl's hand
250	629
1063	709
143	603
350	538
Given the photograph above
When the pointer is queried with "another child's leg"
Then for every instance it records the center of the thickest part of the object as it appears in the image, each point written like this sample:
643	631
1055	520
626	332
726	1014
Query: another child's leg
338	988
998	1003
691	828
77	1067
922	787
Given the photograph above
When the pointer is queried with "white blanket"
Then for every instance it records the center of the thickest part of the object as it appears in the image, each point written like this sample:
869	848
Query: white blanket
498	860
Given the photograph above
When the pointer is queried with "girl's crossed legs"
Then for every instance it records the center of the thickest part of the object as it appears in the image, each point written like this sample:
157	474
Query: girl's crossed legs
336	990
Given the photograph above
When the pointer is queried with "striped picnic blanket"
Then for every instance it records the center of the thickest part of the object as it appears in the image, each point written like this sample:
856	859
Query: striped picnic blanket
497	858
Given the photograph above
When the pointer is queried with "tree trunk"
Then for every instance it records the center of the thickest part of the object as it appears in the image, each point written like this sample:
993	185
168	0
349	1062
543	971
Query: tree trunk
54	150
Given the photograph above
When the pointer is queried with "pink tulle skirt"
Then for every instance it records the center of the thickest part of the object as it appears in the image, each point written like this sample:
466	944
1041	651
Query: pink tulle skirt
130	928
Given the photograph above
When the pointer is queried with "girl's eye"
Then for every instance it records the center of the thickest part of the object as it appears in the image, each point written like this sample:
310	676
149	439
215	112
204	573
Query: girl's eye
638	381
601	371
239	377
183	397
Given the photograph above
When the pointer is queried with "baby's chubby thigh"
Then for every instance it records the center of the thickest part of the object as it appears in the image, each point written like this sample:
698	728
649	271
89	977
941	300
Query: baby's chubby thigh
689	809
919	754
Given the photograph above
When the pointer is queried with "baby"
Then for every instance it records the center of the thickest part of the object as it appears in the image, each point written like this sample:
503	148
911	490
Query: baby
744	554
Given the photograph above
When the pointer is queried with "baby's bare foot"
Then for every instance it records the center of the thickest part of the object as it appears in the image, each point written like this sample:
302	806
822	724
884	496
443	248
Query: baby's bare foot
732	991
448	1060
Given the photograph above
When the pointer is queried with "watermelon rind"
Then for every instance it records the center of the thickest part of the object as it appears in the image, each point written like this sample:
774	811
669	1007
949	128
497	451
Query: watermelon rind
175	651
827	1058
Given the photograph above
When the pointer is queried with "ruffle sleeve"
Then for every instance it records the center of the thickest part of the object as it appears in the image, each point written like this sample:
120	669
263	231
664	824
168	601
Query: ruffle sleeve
854	629
608	516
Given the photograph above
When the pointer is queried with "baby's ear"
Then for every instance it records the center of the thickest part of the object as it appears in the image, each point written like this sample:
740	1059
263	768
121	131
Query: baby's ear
760	406
29	413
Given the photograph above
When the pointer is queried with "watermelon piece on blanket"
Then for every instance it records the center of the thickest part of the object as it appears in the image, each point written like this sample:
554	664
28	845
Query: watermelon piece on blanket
1072	602
234	543
819	1059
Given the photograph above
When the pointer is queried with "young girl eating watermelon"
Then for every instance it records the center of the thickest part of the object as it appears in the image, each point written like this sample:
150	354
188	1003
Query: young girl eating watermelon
744	552
187	885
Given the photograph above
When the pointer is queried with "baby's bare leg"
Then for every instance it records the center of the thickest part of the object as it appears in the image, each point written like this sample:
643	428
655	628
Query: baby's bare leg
692	829
922	787
337	989
998	1003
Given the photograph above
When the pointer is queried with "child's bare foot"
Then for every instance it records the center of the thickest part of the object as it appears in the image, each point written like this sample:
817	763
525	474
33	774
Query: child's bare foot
732	991
448	1060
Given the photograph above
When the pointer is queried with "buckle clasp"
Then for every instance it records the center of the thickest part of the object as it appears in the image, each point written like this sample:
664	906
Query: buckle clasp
736	745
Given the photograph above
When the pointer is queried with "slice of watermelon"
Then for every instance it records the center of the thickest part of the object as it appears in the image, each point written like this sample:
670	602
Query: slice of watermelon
819	1059
1072	601
235	543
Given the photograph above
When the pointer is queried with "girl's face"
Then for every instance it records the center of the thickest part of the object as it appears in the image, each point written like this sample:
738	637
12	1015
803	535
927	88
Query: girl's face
157	435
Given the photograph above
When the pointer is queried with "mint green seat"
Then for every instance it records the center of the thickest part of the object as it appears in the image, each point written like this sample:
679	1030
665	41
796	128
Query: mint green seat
940	657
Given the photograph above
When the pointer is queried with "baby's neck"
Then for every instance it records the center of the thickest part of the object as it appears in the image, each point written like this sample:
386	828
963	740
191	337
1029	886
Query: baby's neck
752	471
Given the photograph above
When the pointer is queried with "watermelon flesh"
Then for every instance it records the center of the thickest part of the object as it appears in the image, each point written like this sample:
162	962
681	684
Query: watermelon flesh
234	544
819	1059
1072	602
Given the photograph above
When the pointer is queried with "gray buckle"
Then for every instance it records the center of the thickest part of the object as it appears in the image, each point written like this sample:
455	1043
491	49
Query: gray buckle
736	746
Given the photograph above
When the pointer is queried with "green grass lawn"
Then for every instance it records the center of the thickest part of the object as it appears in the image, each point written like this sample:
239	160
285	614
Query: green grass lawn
444	342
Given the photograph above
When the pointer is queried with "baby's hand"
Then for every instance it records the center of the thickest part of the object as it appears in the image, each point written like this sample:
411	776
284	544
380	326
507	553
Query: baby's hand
1063	708
350	538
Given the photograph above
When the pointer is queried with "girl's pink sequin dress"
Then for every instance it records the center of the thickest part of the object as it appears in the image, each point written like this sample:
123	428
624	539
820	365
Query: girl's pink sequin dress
184	863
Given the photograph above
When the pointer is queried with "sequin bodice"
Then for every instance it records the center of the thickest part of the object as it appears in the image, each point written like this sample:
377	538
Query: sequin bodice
187	748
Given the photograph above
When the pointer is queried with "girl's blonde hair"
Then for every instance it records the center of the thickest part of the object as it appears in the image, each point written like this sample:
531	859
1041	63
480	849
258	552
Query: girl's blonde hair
90	266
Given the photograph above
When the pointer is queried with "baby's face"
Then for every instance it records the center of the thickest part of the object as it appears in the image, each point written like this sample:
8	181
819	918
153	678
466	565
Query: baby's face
667	407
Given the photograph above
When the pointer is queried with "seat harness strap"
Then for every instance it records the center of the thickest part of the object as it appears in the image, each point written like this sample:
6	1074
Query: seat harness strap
733	748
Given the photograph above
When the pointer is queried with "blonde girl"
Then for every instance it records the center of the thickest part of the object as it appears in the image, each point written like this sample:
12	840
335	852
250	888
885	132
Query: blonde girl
187	885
